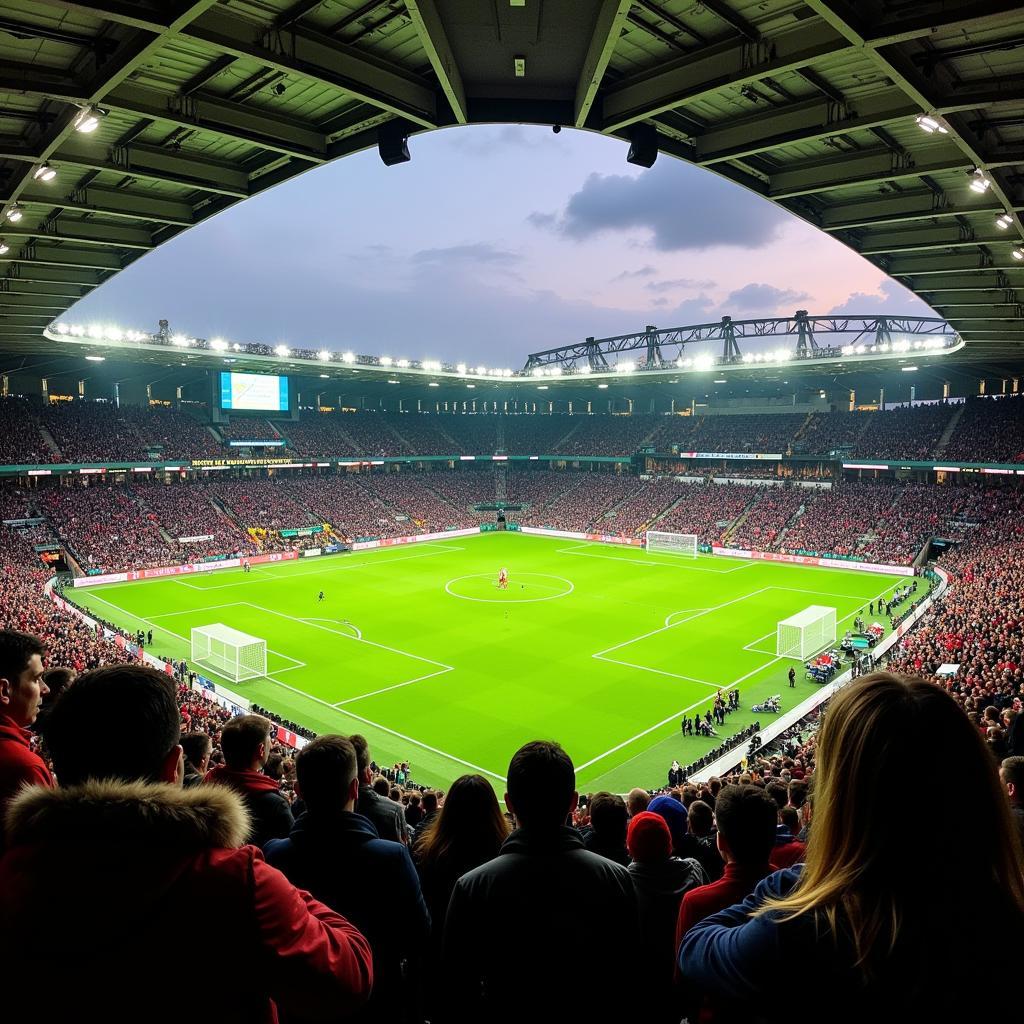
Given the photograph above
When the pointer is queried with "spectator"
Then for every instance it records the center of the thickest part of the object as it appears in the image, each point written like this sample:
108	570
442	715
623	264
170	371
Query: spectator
197	747
22	687
413	811
701	841
386	815
57	680
607	835
862	916
523	928
661	880
334	853
120	855
245	742
428	803
788	848
467	831
1011	773
637	801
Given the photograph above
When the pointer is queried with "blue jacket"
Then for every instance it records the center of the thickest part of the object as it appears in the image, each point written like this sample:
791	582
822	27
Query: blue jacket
931	975
341	860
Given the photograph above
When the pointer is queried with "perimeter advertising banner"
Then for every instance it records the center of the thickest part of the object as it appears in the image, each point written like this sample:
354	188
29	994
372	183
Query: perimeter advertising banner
828	563
181	570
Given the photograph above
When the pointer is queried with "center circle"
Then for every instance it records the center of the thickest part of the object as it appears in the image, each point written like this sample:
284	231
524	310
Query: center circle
523	588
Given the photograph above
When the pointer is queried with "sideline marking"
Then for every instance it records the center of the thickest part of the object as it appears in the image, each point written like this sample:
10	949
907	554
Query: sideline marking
589	553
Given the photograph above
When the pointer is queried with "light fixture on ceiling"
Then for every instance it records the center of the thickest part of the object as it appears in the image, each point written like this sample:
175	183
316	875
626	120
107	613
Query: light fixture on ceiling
95	359
979	181
44	172
88	119
4	247
1018	254
931	124
14	213
519	66
1004	220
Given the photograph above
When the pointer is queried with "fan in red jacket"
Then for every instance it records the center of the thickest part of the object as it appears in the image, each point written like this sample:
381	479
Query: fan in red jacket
21	692
157	904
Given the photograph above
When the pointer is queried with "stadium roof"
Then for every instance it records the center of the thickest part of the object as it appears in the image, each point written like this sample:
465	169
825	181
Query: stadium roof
870	120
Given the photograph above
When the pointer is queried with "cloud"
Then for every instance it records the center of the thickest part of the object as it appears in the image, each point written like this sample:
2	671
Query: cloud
761	298
475	253
678	282
646	271
681	208
891	298
542	220
494	141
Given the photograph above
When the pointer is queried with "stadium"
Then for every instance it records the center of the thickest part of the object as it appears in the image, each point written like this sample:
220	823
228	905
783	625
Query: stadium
721	581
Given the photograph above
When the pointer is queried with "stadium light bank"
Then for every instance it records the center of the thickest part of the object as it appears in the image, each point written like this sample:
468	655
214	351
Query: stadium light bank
876	338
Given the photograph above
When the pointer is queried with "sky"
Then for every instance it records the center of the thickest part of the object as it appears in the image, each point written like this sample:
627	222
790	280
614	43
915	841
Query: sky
493	242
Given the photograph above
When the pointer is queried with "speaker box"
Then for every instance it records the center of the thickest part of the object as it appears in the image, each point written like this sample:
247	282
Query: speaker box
393	144
643	145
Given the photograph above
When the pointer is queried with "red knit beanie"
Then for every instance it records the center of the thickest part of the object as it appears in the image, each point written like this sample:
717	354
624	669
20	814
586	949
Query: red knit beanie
648	838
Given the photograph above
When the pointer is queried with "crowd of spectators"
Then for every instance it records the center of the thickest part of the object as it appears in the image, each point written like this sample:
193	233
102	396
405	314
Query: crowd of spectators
20	440
772	510
707	510
989	430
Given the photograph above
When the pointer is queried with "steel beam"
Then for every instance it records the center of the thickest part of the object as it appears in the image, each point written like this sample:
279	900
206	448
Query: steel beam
119	203
17	286
319	58
925	239
81	232
733	64
904	207
63	257
434	39
611	20
911	266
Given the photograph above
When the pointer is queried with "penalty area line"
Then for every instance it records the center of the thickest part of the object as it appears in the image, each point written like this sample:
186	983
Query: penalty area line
391	732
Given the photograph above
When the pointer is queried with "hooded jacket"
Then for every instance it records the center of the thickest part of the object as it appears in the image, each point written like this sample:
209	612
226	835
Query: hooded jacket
334	856
268	808
523	928
19	764
107	890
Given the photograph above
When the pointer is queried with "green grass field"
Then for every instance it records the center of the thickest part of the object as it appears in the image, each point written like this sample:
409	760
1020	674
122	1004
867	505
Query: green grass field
601	648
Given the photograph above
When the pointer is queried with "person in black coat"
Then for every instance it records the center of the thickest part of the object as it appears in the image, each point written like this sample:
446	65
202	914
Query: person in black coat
336	855
388	817
523	928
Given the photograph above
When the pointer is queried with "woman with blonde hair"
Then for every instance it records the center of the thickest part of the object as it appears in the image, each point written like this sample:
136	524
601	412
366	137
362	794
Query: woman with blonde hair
894	913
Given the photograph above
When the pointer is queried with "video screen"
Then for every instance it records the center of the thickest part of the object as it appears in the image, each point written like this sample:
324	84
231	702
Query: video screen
253	392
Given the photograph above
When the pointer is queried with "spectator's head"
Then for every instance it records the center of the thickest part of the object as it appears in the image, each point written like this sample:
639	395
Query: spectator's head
797	793
197	747
381	786
362	749
746	818
326	775
702	818
57	681
608	817
22	686
870	857
637	801
789	818
145	749
674	814
469	827
779	792
429	802
541	785
1011	772
245	740
648	839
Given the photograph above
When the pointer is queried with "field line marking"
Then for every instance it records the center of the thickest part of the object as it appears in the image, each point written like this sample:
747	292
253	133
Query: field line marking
650	561
391	732
696	615
394	686
337	622
348	636
681	611
209	608
660	672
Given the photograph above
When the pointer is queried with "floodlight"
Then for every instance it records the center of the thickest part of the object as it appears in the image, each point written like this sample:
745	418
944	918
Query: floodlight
87	119
1004	220
348	357
218	346
931	125
1018	254
14	213
4	247
980	183
703	362
44	172
323	355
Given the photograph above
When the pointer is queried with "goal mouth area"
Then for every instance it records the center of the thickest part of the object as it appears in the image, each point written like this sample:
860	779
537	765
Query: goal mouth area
228	652
806	634
663	542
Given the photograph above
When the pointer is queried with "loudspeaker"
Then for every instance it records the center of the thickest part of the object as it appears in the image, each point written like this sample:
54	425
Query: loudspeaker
643	145
393	144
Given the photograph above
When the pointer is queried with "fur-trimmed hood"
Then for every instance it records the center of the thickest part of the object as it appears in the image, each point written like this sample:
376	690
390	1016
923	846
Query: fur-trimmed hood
150	813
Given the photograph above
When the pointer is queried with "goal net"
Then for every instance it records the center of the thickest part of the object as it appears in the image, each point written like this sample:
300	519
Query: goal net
673	543
229	652
806	633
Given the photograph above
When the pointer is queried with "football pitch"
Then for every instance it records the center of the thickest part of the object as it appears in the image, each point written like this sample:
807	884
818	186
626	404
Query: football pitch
599	647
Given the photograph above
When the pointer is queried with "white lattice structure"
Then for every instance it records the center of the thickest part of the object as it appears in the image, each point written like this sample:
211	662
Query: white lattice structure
806	633
229	652
672	543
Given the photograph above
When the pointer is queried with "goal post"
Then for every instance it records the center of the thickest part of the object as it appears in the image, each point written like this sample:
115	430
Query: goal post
230	653
806	633
684	544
